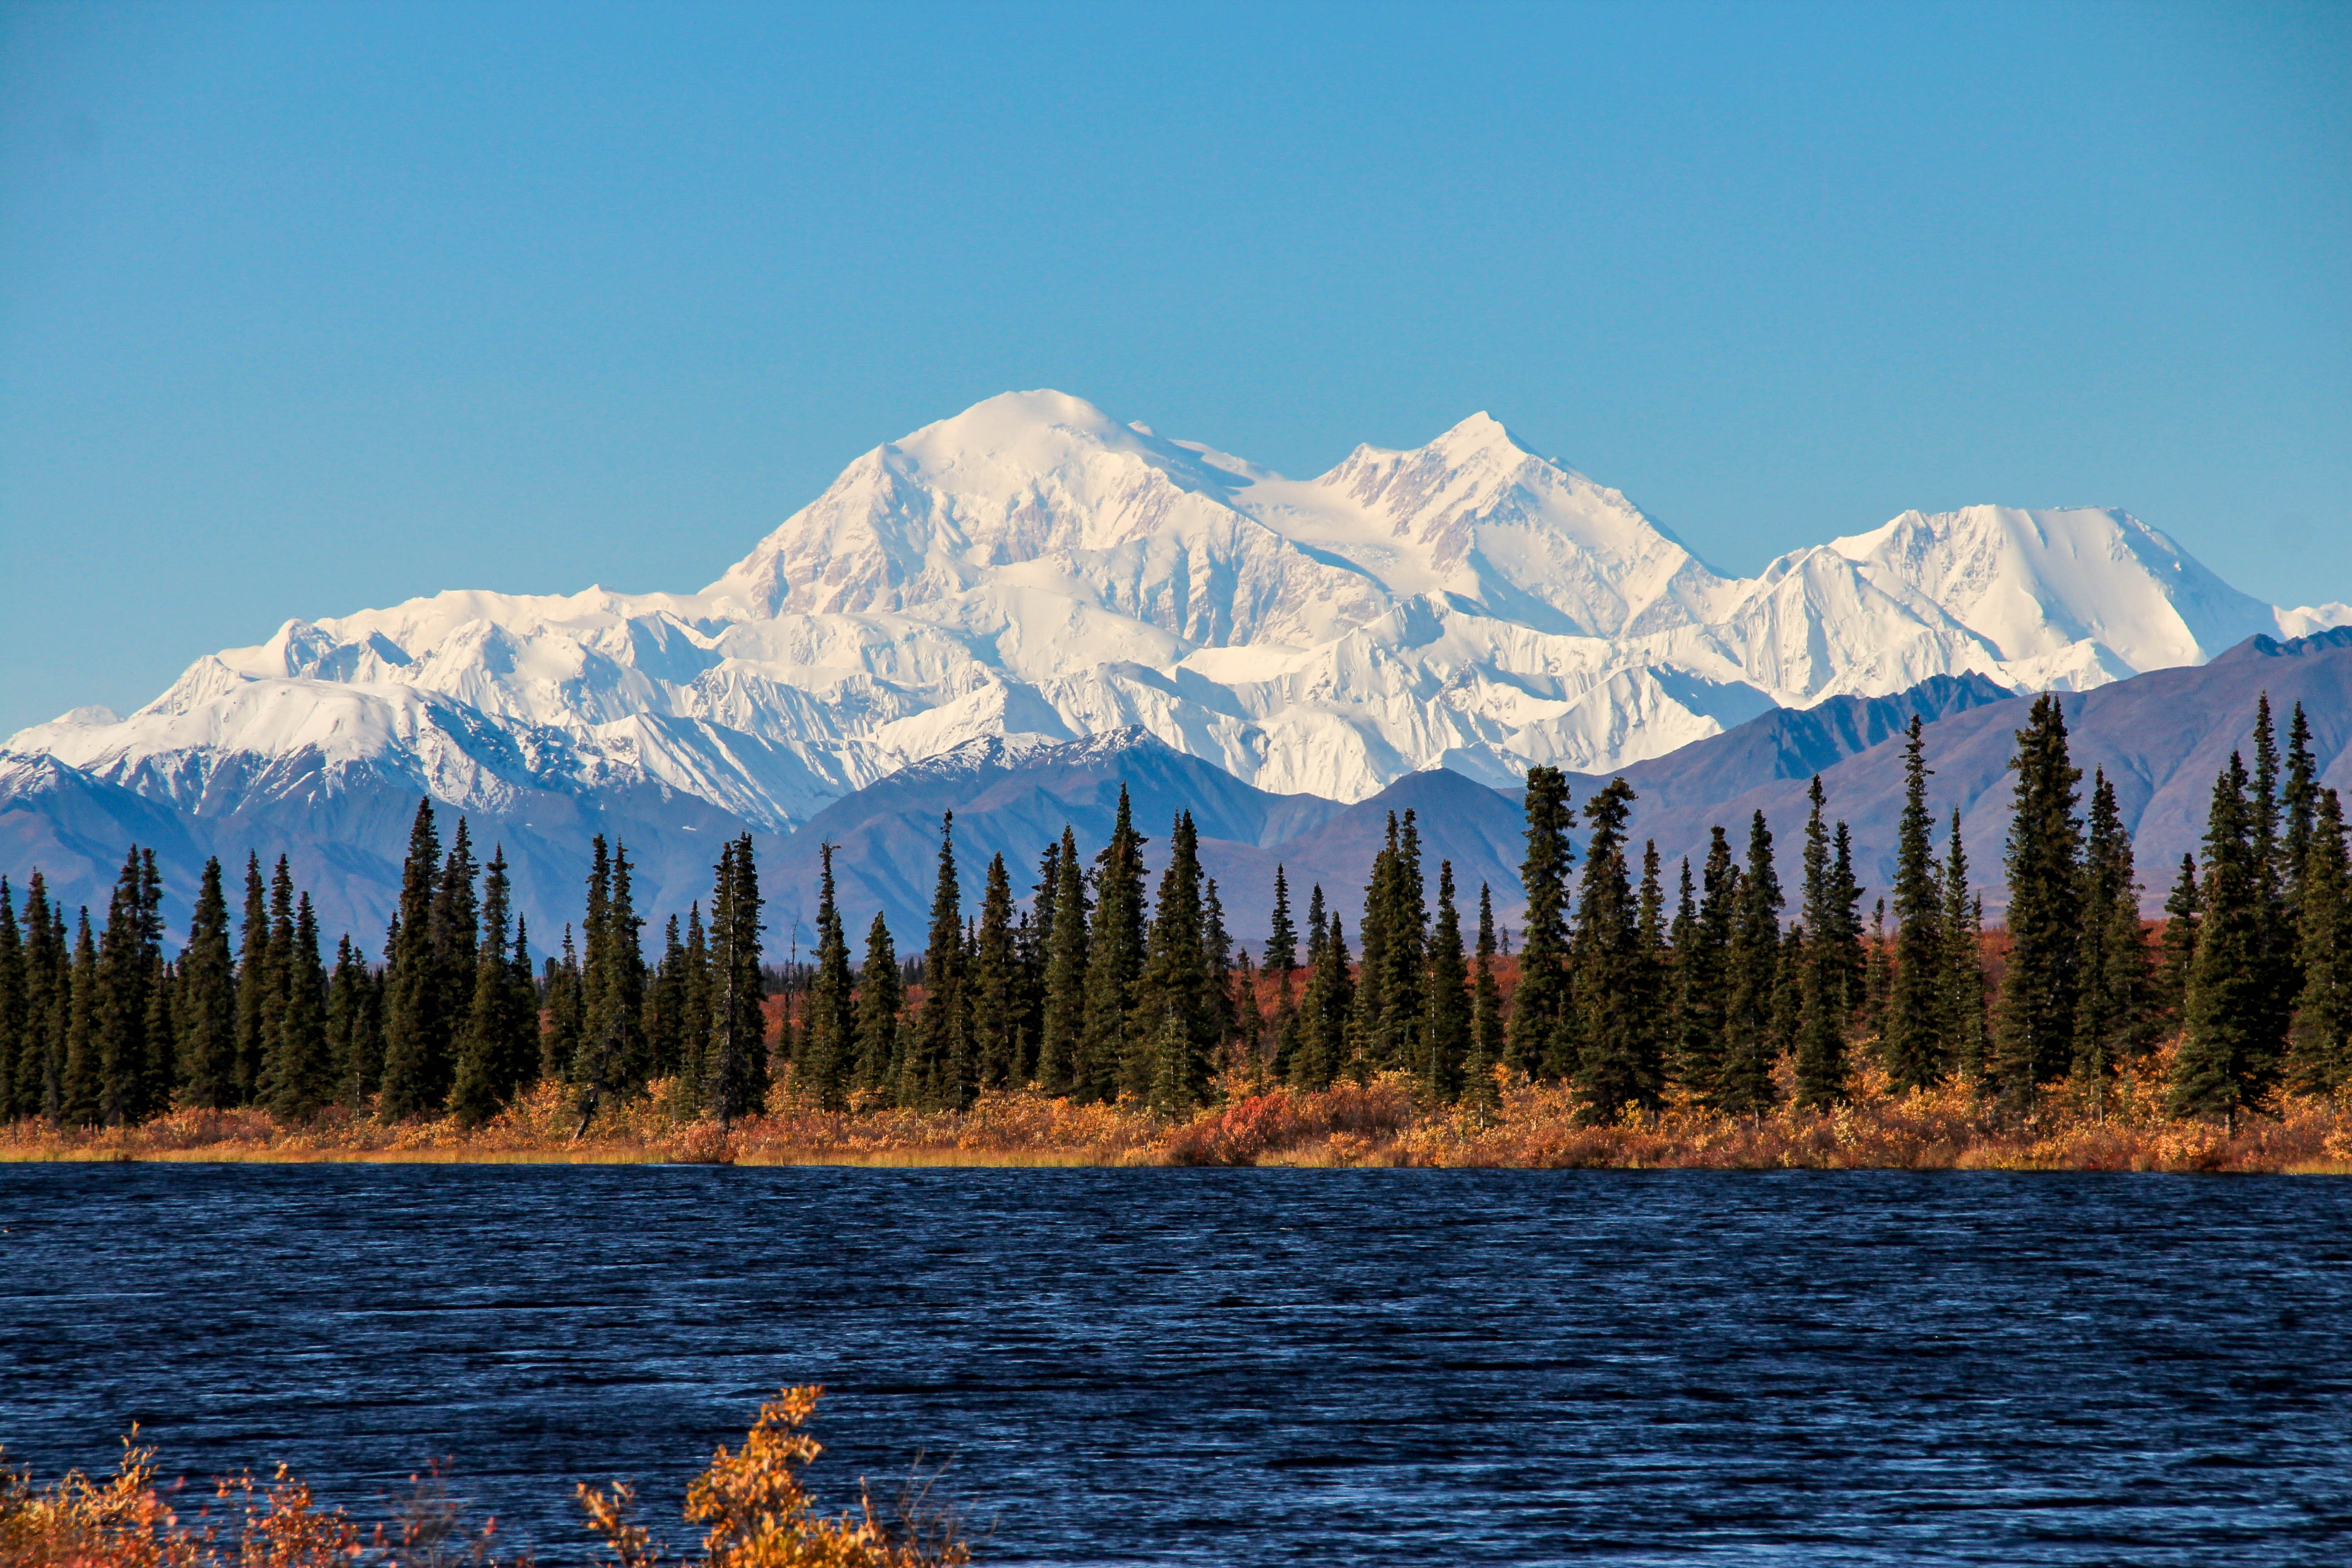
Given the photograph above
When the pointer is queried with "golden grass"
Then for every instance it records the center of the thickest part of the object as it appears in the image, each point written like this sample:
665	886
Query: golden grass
1535	1126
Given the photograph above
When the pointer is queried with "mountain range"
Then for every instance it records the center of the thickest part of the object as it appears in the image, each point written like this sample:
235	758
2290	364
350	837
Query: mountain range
1013	606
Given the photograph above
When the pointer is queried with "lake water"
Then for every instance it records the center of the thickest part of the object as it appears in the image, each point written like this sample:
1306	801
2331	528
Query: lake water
1240	1367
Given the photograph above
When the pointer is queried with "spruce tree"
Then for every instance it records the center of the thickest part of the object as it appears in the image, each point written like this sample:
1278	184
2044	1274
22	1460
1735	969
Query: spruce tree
829	1035
612	1056
127	956
878	1000
1172	1012
497	1050
2221	1062
1486	1045
2277	978
252	980
936	1068
1616	1070
1394	935
2176	951
694	1015
559	1045
1702	974
302	1077
1330	1002
2298	808
1744	1084
738	1055
80	1097
1282	937
2041	981
1446	1015
1821	1021
277	981
416	1015
1915	1051
1963	1029
1541	1034
2319	1043
1114	959
352	1045
48	991
1061	1041
993	985
13	1033
1877	982
206	1014
1217	955
666	1004
2112	1000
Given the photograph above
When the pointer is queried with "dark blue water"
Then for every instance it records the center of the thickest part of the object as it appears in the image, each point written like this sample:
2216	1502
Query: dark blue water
1241	1367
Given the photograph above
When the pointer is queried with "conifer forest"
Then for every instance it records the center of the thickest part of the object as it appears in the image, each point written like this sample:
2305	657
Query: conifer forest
1749	986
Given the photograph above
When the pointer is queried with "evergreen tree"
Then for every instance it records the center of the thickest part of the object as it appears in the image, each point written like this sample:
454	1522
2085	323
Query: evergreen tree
206	1005
1963	1030
1915	1050
1820	1024
1389	982
666	1004
2298	806
1702	974
355	1043
1847	964
612	1056
1541	1035
993	985
1446	1019
1616	1070
80	1103
2276	977
252	981
13	1033
1877	982
48	991
1282	939
277	982
1036	950
878	1000
1173	1010
738	1057
497	1050
2041	981
695	1015
2222	1063
128	952
1744	1084
2112	1000
1330	1002
937	1071
1063	1032
2177	952
415	1012
829	1035
302	1077
1486	1045
2320	1040
559	1044
1217	954
1114	959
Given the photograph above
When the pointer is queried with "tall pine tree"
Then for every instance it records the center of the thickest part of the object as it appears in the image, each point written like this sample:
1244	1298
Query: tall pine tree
2041	981
1744	1084
206	1013
2319	1043
1541	1034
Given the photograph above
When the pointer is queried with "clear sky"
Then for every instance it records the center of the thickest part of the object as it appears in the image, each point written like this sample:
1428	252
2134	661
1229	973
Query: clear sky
314	306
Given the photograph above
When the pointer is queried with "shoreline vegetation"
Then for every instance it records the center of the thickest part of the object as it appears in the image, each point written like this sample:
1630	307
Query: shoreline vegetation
1381	1125
1647	1019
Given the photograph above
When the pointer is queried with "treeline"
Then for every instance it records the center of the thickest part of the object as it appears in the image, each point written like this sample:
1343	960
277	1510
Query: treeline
1630	988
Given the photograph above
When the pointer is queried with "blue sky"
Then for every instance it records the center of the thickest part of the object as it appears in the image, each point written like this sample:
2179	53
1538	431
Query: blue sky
310	308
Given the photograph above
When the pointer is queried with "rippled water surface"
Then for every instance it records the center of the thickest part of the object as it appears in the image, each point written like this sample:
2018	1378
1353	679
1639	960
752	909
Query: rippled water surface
1241	1367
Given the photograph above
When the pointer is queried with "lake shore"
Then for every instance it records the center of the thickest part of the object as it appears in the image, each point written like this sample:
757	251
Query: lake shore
1378	1125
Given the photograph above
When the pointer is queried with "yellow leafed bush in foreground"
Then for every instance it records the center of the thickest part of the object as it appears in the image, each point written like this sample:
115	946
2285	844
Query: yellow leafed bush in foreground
759	1516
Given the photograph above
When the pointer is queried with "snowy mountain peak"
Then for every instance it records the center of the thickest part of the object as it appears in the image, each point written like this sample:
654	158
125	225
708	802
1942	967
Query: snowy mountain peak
1033	571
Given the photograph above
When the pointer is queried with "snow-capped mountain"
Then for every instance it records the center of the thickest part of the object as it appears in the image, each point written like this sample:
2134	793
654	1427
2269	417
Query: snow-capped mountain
1034	567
